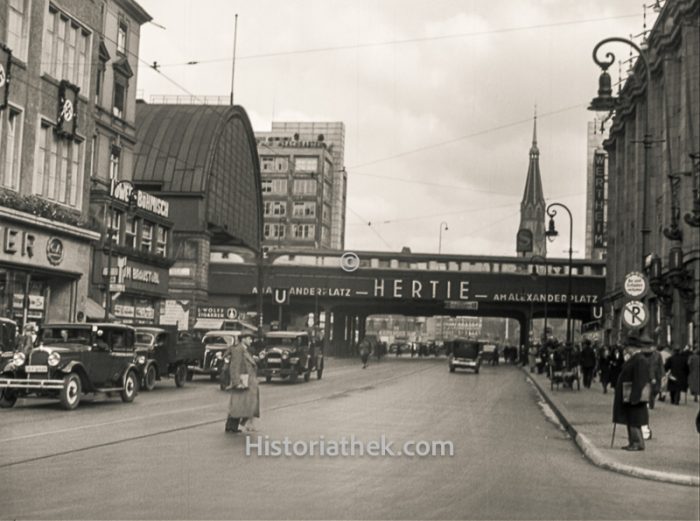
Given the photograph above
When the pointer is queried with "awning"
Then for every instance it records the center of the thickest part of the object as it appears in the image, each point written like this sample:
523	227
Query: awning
211	324
94	311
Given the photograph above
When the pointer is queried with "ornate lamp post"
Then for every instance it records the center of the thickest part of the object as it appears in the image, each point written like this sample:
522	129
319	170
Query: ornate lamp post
534	275
109	232
606	102
550	234
440	235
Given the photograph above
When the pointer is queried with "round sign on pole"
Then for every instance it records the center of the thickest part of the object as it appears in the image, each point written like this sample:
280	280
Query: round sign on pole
635	314
231	313
636	285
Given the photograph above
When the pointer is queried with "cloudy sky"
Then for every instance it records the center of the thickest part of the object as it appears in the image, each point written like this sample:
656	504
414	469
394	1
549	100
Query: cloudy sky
437	97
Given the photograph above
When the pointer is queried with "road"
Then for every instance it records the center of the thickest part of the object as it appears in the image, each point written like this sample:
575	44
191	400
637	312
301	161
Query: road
166	455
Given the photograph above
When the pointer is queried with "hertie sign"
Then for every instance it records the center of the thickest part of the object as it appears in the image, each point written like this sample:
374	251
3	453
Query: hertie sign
635	314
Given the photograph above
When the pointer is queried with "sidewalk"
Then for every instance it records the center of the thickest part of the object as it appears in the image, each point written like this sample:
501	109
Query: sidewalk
672	455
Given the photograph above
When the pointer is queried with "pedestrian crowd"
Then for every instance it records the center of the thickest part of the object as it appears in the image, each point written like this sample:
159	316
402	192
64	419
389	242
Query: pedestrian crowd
639	373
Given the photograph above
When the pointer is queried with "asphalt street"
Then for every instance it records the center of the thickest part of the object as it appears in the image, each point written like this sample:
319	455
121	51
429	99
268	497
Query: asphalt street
166	455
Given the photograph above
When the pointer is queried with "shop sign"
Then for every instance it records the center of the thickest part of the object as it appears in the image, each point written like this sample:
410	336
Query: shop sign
599	202
145	312
5	65
144	200
36	302
123	310
127	273
54	251
218	312
18	300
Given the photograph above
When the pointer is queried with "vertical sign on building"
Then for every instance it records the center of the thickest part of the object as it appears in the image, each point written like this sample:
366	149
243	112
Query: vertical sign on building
599	202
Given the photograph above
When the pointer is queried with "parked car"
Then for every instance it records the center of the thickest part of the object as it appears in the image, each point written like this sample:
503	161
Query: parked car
464	354
8	335
215	344
289	354
71	360
161	352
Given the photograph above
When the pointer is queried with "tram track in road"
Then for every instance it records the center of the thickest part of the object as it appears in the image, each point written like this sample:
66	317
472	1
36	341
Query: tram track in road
339	394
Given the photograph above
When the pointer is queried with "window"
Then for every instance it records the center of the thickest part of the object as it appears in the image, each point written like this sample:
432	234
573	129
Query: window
58	166
9	175
99	81
275	208
267	164
304	231
121	36
119	104
306	164
274	186
115	221
305	187
304	209
114	157
130	232
66	52
281	164
274	231
162	241
18	28
93	157
146	236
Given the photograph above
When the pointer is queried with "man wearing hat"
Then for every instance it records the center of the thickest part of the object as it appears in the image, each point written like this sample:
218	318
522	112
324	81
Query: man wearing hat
632	392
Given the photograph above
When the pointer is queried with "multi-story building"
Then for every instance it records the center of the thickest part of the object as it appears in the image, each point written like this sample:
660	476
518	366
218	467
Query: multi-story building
136	236
596	192
661	237
304	185
48	66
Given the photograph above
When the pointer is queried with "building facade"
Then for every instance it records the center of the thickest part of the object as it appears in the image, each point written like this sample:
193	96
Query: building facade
530	238
671	234
304	185
48	67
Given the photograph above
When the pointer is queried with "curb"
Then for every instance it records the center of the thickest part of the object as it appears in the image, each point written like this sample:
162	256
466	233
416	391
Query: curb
592	454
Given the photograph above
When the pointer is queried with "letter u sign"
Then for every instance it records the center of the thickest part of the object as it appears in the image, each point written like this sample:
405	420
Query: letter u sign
280	296
597	312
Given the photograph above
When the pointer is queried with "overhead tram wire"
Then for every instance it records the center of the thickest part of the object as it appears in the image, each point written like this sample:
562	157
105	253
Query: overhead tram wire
399	42
369	224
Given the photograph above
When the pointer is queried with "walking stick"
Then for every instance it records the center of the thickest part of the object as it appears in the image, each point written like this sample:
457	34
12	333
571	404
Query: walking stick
612	442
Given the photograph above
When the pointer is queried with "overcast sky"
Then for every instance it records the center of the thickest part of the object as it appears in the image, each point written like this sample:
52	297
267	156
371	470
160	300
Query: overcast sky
437	97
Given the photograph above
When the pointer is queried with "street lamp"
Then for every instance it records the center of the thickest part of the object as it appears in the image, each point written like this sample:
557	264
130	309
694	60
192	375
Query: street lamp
440	236
131	201
606	102
550	234
533	275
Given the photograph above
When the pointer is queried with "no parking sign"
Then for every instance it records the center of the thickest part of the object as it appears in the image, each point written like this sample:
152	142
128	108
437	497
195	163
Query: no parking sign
635	314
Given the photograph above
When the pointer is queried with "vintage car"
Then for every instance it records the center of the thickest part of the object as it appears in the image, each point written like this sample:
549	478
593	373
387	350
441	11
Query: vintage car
215	344
289	354
70	360
8	340
464	354
161	352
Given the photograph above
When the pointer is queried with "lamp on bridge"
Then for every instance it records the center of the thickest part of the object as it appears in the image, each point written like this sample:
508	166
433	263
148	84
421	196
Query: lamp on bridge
443	223
534	276
551	233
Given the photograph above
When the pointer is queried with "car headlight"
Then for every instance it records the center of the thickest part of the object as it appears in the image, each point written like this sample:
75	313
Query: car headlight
261	354
141	359
54	359
294	360
219	355
285	356
18	359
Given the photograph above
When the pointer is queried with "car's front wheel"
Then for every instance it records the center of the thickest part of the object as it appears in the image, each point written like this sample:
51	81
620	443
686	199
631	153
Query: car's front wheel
149	380
71	391
181	375
452	369
8	398
131	385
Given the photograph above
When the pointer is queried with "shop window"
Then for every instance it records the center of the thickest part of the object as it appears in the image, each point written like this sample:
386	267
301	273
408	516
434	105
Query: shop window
58	166
130	232
66	49
18	28
146	236
9	176
162	241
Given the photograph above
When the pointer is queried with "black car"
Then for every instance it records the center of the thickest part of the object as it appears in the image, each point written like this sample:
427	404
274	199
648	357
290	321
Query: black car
289	355
70	360
464	354
163	351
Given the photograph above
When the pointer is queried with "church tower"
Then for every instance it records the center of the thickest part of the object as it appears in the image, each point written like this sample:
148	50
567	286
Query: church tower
531	238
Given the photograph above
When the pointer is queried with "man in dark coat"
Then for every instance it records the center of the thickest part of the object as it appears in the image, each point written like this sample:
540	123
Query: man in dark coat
677	366
630	406
587	363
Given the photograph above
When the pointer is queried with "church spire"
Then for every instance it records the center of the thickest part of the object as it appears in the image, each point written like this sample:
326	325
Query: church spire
532	206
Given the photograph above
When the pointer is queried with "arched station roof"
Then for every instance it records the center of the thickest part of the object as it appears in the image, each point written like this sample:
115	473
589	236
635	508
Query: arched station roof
208	152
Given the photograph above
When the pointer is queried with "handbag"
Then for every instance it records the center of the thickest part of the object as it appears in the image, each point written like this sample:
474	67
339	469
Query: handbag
627	392
243	382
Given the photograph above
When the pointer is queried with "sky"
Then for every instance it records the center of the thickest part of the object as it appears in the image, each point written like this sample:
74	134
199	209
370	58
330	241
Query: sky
437	98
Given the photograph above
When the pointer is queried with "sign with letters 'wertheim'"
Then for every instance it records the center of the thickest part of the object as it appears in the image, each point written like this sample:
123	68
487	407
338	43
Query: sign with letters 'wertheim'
600	239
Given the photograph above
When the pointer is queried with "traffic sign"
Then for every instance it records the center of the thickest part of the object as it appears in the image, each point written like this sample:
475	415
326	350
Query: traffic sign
231	313
636	285
635	314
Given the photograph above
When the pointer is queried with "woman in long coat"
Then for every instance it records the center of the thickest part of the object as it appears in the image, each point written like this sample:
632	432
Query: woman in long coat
244	403
632	413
